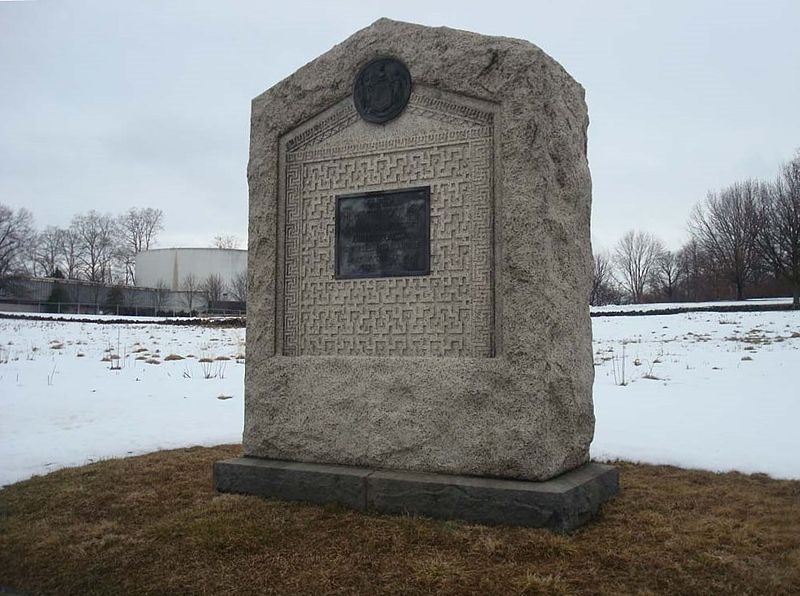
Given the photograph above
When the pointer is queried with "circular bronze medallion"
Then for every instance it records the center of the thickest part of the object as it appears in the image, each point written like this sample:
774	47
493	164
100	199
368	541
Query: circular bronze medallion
381	90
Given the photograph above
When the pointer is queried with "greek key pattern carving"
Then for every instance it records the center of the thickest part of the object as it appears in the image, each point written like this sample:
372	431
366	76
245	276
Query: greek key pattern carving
389	144
339	120
432	107
447	313
445	111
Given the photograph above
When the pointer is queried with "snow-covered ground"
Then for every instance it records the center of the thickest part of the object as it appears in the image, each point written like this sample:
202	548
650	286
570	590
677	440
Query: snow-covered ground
65	399
719	391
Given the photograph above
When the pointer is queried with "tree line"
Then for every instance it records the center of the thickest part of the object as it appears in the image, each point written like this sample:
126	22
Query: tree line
213	288
95	247
744	241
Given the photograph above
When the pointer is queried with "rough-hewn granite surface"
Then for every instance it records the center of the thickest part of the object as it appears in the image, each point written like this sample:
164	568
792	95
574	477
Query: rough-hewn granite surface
525	413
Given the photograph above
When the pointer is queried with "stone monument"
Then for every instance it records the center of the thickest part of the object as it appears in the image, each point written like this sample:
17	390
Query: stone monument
418	332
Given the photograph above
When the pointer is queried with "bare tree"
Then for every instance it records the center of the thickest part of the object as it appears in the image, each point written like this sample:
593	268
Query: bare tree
49	250
16	231
124	264
192	290
214	288
778	239
227	241
635	256
139	228
666	274
95	233
602	279
29	263
239	286
160	293
71	252
726	226
692	265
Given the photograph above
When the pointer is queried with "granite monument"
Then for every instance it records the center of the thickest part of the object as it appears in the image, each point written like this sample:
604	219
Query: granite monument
418	332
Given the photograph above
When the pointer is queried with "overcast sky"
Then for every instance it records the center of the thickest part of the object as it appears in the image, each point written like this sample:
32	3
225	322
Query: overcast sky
107	105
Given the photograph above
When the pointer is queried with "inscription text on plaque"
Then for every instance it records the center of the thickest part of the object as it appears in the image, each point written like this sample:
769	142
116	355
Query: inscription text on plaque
383	234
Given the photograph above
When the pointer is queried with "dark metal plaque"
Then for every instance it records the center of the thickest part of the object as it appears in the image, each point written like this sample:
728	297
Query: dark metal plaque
381	90
383	234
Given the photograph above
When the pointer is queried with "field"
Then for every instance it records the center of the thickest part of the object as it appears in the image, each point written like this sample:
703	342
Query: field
72	393
712	391
152	525
715	391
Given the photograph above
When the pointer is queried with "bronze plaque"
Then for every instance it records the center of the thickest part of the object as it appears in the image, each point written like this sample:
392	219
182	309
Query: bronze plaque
383	234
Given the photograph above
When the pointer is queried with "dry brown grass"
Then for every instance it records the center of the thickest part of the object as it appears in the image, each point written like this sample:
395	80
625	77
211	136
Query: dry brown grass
152	525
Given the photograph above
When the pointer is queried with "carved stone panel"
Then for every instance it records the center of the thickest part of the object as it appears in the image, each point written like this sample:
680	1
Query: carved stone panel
442	143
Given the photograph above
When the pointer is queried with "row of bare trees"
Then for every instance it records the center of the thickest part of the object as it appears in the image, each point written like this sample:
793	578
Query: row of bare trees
638	270
214	288
97	247
743	239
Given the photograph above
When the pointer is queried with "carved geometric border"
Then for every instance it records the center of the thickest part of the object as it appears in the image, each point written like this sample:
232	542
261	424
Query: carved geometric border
433	107
477	131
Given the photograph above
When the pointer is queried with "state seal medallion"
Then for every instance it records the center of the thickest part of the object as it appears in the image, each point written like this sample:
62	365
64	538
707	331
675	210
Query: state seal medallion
381	90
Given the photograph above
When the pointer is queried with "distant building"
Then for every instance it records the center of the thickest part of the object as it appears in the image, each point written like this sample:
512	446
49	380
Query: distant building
169	267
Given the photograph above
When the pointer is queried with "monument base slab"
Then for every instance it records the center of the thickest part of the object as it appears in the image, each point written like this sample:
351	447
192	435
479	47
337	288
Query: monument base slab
561	503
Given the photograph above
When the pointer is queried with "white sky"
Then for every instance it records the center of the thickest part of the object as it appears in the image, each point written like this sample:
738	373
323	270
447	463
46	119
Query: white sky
107	105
